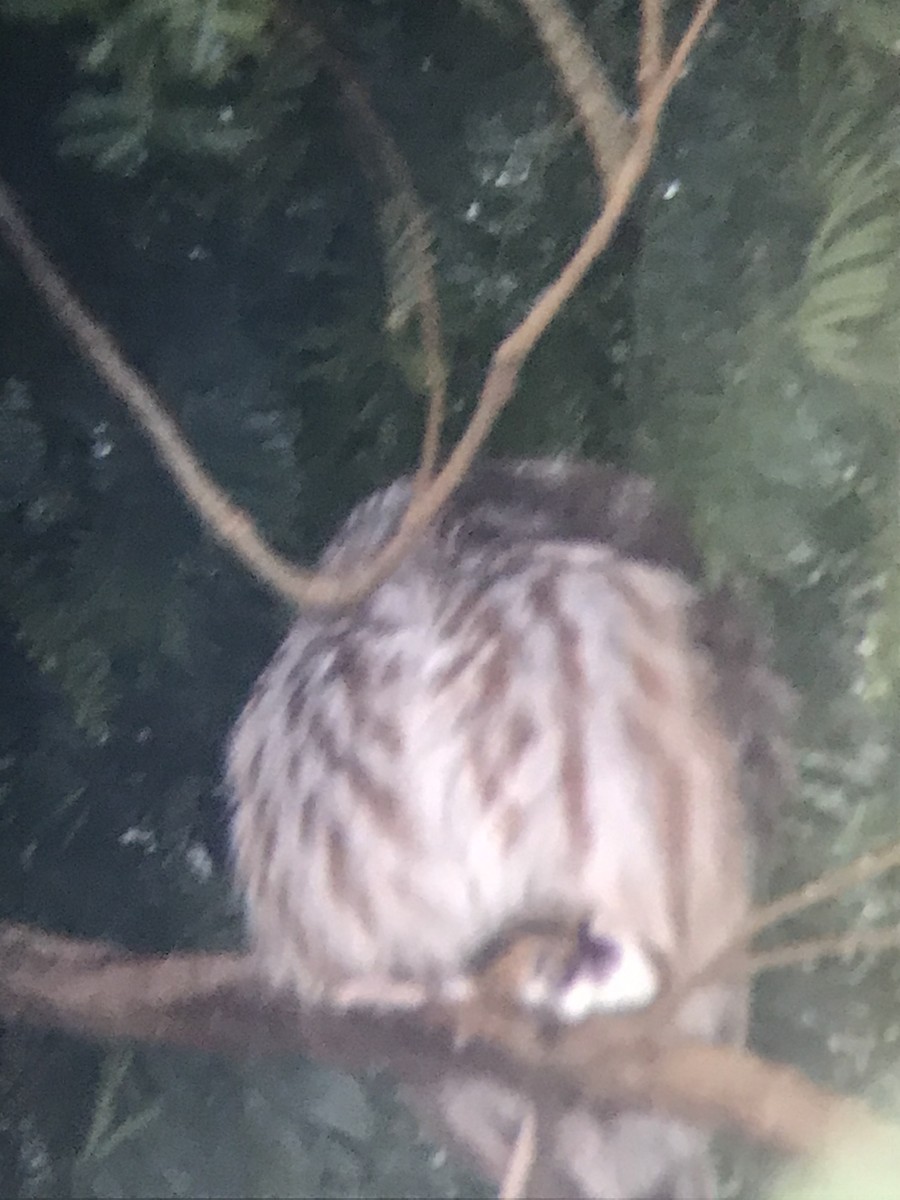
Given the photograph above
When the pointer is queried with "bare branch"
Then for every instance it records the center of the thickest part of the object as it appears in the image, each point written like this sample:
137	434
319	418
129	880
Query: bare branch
521	1163
518	345
736	958
813	950
832	884
512	352
604	122
228	523
218	1002
652	104
650	56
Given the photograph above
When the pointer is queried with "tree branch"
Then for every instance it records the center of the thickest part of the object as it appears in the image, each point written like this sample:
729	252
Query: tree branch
219	1003
229	524
650	56
866	867
813	950
736	959
603	120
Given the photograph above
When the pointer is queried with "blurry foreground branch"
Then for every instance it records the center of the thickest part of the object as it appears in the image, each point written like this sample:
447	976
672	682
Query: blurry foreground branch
218	1002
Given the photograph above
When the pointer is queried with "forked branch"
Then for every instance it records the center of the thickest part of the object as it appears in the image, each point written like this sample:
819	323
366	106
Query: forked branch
738	959
603	120
233	527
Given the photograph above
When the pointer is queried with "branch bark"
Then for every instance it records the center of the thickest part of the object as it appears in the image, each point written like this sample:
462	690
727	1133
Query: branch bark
220	1003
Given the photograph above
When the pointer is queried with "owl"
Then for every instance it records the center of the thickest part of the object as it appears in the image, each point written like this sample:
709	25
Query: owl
539	716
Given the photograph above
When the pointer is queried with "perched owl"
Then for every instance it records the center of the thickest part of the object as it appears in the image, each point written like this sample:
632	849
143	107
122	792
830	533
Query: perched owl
539	716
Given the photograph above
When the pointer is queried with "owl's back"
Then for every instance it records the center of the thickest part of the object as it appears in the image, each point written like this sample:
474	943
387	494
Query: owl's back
539	713
520	721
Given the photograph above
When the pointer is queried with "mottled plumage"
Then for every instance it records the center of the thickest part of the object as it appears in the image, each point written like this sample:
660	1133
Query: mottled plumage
537	716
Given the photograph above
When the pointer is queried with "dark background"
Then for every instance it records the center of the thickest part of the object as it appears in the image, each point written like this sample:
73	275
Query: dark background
197	183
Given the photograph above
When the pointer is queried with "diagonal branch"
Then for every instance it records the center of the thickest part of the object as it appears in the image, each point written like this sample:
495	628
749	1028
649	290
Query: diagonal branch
866	867
813	950
603	121
736	959
229	524
650	55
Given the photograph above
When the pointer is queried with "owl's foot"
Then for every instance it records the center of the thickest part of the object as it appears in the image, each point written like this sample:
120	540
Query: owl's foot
600	973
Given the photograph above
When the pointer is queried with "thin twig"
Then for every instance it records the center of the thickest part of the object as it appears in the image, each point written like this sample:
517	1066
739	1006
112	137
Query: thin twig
736	958
834	883
657	95
650	55
519	343
228	523
603	120
521	1161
